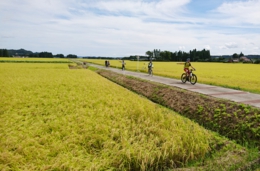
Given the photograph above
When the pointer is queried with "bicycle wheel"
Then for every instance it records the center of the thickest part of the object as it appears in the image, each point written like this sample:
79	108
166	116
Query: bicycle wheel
183	78
193	79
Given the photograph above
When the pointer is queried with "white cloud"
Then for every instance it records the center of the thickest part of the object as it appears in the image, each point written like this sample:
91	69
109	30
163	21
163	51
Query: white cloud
181	48
123	28
138	7
207	47
241	12
231	45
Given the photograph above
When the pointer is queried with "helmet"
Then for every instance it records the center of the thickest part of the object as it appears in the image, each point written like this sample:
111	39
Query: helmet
188	59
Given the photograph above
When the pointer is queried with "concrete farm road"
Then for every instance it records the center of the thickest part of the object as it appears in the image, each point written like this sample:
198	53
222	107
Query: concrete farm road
210	90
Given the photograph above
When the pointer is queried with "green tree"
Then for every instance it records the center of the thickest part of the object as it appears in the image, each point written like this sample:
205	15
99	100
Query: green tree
72	56
45	55
185	56
59	56
149	53
5	53
194	55
165	55
1	52
241	54
235	55
179	55
174	56
162	55
157	54
168	55
207	53
34	55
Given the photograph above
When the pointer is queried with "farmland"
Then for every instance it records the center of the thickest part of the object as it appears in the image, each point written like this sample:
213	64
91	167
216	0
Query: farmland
53	118
34	60
236	76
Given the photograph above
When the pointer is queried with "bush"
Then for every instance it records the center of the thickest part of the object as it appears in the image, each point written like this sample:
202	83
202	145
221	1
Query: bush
257	61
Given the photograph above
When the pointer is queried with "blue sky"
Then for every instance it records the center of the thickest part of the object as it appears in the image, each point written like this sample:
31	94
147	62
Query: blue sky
118	28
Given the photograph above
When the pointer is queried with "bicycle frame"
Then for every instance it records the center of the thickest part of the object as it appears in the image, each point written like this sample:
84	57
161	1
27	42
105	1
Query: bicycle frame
192	78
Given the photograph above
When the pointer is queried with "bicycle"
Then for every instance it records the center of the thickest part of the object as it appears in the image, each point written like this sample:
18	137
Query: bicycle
192	77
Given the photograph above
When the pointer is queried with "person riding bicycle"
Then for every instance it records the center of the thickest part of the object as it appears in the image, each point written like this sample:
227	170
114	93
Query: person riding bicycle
187	66
123	65
150	66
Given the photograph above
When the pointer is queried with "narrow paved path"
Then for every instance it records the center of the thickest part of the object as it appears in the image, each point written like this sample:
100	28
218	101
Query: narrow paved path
215	91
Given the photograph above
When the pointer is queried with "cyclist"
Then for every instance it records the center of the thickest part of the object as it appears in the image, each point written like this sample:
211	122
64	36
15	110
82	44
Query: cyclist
187	66
123	65
150	67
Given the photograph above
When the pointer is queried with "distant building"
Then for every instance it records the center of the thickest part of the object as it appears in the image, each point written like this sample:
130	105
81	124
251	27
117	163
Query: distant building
235	60
244	59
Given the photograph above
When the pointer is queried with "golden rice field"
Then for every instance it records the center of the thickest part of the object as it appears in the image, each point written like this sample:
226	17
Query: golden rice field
53	118
233	75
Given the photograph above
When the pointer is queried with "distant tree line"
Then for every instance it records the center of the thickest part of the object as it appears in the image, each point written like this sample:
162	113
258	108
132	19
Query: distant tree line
72	56
26	53
98	57
134	58
194	55
59	56
19	52
50	55
4	53
41	55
